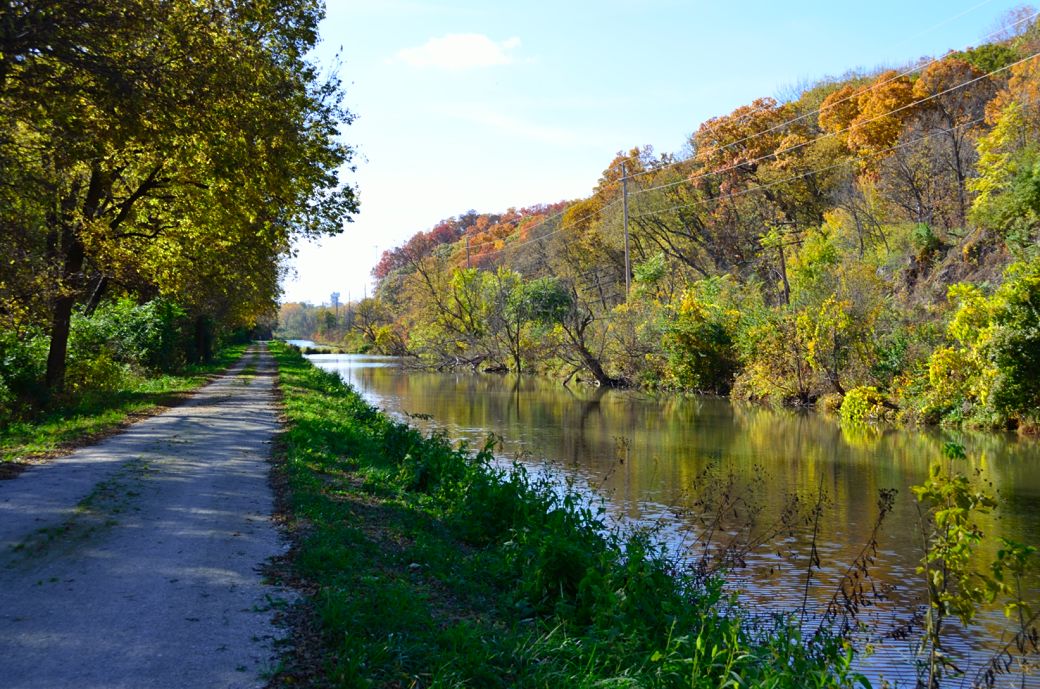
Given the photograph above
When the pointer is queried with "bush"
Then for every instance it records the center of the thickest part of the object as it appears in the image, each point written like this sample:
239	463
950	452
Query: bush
698	341
829	403
152	335
95	377
1014	344
23	360
924	241
990	375
862	404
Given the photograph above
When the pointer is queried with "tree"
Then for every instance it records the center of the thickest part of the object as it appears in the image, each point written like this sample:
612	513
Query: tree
1007	187
869	120
953	96
506	314
170	148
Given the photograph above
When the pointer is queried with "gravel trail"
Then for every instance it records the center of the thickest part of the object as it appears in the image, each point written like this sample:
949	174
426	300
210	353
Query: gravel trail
134	563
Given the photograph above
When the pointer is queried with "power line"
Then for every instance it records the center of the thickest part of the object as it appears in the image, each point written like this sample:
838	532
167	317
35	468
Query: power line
518	230
559	229
754	112
808	173
747	116
773	154
718	199
825	135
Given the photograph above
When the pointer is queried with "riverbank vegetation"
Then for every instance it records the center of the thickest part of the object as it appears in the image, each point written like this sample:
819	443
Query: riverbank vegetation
867	244
427	565
158	160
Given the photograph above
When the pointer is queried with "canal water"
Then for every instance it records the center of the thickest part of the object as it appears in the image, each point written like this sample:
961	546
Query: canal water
670	461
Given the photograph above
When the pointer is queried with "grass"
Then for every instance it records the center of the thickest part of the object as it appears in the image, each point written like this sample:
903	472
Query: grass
423	565
95	416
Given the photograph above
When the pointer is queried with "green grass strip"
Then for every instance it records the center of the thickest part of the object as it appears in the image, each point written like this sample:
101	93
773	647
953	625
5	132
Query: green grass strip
426	566
95	415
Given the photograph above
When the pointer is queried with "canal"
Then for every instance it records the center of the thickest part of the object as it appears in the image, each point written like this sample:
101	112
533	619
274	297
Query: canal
669	462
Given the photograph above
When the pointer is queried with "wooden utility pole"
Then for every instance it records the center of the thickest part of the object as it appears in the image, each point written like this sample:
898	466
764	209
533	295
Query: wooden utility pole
467	251
624	206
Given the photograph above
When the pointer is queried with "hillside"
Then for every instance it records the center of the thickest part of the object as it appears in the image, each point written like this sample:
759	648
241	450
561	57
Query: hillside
868	246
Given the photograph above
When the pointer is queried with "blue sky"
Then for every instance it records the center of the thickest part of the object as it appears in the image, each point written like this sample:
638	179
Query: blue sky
488	105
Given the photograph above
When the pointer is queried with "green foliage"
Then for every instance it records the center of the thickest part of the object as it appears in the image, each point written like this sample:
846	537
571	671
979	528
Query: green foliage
110	350
1013	347
924	241
950	501
773	355
1014	562
991	373
698	340
651	271
30	431
835	252
547	300
862	404
152	335
989	57
22	362
1008	185
180	159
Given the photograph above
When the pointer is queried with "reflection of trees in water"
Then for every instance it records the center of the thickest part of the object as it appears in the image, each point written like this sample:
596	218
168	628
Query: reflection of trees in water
666	442
575	435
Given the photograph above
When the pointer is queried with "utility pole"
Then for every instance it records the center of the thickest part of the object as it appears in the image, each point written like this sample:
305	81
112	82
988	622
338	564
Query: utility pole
467	252
624	205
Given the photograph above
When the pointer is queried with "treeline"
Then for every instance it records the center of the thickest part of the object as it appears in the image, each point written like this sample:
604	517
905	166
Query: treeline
158	160
869	246
351	325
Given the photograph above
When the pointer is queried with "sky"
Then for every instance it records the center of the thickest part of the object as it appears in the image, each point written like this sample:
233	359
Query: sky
494	104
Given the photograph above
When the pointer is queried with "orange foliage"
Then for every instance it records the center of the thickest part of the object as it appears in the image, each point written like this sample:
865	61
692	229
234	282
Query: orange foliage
955	88
749	133
884	108
839	110
1023	87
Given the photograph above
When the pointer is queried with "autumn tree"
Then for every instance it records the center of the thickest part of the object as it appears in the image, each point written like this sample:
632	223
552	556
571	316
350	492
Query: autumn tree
172	149
869	119
953	95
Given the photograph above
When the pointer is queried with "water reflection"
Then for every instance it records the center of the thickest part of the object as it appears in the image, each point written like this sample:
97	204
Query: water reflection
646	456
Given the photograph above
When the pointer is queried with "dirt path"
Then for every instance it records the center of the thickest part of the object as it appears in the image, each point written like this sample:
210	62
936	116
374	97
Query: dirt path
134	563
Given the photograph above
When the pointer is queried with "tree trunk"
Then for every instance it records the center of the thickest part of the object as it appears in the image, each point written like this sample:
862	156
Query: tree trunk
594	366
61	320
203	339
72	251
96	295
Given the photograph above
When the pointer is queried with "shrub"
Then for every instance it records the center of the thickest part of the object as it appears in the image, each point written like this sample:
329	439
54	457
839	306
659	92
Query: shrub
97	376
862	404
150	335
698	341
924	241
23	359
990	375
830	403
